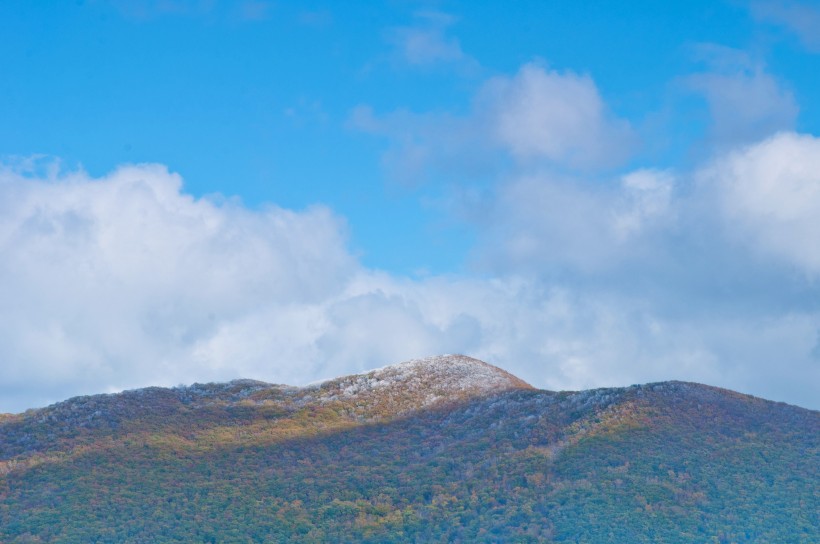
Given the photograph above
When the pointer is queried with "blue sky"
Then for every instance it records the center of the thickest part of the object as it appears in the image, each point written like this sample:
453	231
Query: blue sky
587	194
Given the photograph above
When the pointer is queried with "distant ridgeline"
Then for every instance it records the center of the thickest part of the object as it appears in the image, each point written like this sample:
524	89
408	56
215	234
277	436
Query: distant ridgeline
445	449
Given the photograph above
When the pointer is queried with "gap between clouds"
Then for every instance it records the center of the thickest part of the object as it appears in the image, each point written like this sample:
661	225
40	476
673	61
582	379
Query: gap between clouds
126	281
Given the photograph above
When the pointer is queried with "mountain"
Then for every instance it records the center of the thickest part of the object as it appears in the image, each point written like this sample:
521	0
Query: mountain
444	449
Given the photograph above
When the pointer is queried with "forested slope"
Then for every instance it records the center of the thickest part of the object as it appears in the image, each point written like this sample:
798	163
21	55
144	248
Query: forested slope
445	449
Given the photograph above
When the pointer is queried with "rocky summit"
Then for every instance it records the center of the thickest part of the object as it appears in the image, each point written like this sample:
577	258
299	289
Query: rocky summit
442	449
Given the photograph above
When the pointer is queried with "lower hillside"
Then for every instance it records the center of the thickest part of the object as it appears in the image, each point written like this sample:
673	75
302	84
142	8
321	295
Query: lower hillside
420	452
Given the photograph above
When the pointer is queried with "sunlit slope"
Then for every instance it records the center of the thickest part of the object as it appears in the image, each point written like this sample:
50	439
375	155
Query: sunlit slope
443	449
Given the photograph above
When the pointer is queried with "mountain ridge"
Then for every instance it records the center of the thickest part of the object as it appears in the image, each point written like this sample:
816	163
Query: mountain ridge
426	370
469	454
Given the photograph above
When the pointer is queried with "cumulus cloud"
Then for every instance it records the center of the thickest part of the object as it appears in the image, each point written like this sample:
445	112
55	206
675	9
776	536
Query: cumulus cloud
119	281
536	117
769	193
126	281
666	272
707	272
542	113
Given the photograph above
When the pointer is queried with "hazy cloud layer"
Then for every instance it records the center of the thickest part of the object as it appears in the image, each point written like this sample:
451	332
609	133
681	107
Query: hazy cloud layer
427	43
543	222
802	18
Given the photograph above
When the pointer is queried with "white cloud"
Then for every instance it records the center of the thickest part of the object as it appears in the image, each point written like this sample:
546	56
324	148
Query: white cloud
660	273
536	117
770	195
126	281
643	275
646	200
543	222
119	281
545	114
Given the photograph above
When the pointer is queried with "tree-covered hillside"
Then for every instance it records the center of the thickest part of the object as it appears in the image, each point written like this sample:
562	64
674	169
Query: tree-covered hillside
440	450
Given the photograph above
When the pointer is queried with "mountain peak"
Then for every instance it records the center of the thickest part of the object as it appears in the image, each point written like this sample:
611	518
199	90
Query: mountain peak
420	383
452	372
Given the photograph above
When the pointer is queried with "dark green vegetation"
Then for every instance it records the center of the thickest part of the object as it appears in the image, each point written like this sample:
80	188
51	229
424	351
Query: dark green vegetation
422	455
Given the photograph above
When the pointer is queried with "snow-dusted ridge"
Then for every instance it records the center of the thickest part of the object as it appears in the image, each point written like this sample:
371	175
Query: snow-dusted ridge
458	372
384	392
417	383
466	371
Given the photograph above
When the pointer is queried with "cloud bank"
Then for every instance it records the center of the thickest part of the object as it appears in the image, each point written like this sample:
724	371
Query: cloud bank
125	281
